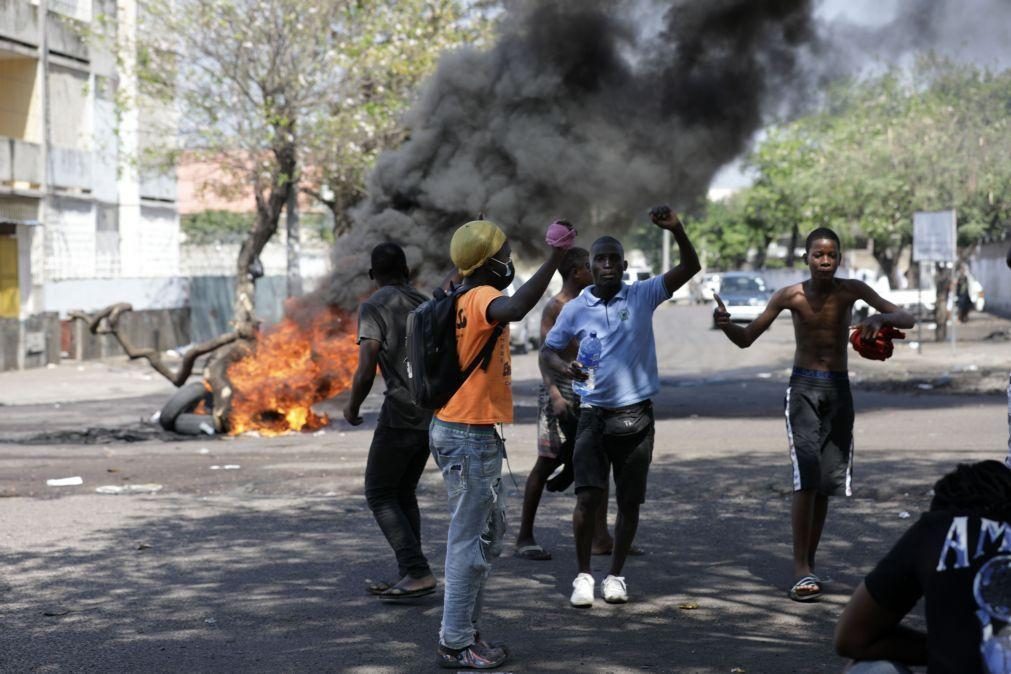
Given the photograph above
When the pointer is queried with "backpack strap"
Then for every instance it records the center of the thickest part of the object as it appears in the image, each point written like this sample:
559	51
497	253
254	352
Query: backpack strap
483	358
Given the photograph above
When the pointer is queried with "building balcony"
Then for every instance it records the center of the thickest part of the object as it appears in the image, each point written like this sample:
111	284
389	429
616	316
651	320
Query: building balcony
21	167
20	164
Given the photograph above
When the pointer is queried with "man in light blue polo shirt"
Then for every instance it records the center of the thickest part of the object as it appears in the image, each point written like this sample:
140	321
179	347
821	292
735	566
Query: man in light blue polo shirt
616	423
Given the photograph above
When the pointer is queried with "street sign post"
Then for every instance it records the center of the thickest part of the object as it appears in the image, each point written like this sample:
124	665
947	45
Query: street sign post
935	240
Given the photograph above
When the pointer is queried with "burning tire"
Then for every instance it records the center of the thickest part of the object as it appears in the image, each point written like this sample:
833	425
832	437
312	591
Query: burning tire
185	399
194	424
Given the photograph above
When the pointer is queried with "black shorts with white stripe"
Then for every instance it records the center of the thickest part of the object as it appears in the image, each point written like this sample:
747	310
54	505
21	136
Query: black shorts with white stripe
819	428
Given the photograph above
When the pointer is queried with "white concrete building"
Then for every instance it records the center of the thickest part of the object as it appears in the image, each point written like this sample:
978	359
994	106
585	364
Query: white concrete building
80	226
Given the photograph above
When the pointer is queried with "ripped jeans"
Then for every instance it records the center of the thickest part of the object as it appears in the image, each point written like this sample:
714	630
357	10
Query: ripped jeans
470	458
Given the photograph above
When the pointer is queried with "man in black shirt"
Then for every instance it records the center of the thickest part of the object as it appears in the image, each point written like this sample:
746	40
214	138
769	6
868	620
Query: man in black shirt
399	448
957	557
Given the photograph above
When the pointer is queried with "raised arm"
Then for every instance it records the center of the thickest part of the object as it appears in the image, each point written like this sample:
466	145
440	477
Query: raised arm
688	260
889	314
361	382
560	237
745	336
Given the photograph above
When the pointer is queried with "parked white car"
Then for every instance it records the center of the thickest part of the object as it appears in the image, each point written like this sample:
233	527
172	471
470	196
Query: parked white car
920	303
744	294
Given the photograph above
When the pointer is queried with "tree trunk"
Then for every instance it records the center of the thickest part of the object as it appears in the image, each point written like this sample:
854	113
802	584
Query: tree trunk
294	243
268	213
763	251
794	236
887	263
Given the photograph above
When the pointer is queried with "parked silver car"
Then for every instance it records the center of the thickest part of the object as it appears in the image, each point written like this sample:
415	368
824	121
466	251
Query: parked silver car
744	294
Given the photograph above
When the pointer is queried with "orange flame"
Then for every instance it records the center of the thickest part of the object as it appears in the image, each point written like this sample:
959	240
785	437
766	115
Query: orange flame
293	365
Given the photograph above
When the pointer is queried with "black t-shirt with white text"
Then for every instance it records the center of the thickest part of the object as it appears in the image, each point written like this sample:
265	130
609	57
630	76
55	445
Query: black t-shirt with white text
961	565
383	317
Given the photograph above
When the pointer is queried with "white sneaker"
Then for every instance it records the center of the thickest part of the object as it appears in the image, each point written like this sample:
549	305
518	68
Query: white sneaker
582	591
613	589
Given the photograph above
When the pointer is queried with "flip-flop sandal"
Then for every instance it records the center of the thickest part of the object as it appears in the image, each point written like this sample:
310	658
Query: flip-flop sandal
396	594
378	587
807	581
533	552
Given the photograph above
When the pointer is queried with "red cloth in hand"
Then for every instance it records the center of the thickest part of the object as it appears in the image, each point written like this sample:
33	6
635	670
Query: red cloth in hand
560	235
879	348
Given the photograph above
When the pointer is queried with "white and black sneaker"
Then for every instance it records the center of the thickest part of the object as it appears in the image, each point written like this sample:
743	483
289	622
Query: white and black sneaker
582	591
613	590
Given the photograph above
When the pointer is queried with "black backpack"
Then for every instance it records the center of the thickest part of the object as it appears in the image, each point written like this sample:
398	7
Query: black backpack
433	365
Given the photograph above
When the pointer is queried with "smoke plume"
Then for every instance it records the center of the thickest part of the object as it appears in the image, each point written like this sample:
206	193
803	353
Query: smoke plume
591	110
577	111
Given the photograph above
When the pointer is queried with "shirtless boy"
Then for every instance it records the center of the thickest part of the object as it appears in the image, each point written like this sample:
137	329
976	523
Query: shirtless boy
819	407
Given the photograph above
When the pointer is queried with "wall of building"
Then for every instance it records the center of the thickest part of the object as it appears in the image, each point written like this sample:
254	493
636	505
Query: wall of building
989	266
107	232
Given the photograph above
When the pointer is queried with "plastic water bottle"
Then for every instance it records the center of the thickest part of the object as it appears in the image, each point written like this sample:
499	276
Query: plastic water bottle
589	358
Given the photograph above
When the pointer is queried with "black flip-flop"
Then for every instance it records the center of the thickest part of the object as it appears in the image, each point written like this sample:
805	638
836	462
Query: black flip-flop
396	594
808	581
378	587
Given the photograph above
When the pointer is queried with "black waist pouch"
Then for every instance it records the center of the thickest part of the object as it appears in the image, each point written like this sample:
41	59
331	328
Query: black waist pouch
628	420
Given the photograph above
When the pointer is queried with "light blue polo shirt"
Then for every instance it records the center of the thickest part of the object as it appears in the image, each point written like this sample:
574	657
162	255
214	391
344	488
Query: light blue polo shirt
624	325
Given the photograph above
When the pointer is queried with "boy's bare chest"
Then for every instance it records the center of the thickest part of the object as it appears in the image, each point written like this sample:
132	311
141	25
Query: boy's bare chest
822	312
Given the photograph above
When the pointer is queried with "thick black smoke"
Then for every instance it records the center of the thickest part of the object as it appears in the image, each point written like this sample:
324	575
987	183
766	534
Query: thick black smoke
593	110
581	111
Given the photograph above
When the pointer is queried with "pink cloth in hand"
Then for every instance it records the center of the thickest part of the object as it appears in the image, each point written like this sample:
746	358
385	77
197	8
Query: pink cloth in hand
560	235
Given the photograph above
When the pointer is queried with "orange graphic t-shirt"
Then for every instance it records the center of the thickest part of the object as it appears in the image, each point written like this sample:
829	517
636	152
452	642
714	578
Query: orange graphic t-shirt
487	396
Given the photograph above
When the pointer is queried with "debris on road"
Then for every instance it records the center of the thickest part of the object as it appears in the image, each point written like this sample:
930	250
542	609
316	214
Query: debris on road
65	481
52	612
688	606
904	515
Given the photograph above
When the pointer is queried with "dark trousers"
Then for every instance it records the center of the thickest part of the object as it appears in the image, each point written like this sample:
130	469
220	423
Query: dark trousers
397	459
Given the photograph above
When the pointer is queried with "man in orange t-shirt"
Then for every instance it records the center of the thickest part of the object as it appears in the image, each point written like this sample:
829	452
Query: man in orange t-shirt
463	438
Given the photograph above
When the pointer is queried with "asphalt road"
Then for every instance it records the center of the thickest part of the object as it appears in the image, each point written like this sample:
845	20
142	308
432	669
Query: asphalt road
262	567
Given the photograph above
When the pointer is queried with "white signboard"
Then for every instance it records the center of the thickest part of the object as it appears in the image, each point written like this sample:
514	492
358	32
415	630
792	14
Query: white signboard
934	236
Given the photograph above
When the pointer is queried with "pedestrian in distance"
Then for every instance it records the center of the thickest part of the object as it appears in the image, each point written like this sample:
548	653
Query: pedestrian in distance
557	419
956	558
464	439
616	423
819	405
399	449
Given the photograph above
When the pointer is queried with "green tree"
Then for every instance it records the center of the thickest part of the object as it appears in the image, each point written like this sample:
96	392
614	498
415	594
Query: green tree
881	148
383	56
281	95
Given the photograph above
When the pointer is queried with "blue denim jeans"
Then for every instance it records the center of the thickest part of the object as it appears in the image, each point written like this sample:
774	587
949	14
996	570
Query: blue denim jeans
470	458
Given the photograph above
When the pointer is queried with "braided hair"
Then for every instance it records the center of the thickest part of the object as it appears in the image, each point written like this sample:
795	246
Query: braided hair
982	489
